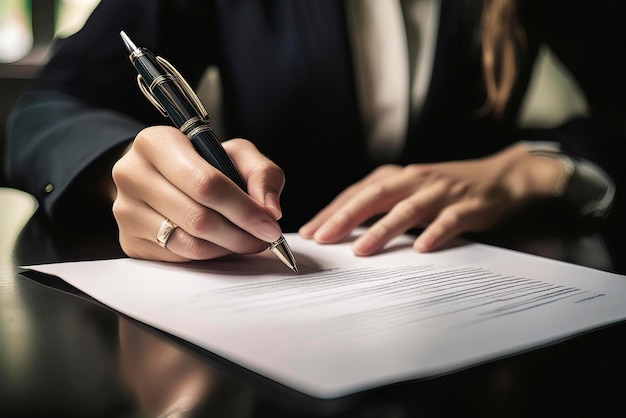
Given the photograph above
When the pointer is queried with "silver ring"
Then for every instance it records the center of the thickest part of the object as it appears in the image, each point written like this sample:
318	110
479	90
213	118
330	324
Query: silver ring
166	229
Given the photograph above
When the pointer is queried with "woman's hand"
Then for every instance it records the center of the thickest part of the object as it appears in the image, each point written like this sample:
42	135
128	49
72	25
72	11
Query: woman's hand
447	198
162	176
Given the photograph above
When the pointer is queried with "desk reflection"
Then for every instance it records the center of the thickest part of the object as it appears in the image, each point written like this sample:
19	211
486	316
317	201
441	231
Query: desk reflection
169	382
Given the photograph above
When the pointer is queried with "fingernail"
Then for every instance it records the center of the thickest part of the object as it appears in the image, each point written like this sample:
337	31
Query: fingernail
365	245
305	231
323	235
269	231
424	244
272	202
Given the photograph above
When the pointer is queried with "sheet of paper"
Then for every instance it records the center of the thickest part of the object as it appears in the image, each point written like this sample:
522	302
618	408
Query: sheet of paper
346	324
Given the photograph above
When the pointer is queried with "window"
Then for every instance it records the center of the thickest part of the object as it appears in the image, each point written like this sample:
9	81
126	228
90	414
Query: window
27	25
71	15
16	35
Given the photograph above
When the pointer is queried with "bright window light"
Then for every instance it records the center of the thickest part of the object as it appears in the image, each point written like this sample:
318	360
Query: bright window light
16	35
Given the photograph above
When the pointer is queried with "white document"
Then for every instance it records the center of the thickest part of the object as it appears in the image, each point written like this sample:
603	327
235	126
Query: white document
347	324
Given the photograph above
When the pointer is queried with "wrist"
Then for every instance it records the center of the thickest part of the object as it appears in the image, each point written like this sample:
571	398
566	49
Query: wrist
545	174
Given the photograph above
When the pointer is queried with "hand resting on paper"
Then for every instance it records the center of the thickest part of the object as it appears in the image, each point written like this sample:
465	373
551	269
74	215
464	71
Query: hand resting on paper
447	198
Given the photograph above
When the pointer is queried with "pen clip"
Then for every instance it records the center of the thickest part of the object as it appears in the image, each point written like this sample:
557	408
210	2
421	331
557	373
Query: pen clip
146	92
185	87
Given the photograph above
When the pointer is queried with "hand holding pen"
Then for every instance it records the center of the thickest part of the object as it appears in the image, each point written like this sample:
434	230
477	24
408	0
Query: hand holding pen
164	179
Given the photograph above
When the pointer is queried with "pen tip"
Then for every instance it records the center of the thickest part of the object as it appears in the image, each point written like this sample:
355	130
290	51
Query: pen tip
129	44
281	250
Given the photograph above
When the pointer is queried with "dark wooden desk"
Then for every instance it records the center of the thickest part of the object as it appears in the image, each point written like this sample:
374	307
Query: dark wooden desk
62	354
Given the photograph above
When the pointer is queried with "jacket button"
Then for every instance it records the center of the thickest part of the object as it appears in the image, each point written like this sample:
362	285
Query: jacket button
49	188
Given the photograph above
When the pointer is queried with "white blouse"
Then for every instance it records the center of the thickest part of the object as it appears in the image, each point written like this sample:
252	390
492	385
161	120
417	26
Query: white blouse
393	46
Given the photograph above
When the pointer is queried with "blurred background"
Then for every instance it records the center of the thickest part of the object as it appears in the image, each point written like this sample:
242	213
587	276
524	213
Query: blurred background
28	29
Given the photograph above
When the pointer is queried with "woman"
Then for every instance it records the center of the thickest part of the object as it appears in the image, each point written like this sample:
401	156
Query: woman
330	91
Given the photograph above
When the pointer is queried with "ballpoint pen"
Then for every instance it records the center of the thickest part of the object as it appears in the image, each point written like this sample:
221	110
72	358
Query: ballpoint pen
168	91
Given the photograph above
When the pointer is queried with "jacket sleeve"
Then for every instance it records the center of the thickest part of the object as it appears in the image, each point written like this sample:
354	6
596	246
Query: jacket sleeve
85	104
53	139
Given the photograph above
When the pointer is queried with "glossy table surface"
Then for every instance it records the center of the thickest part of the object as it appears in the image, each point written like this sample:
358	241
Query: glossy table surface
63	354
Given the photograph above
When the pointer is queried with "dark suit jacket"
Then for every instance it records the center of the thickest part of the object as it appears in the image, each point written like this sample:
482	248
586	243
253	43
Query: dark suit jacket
288	86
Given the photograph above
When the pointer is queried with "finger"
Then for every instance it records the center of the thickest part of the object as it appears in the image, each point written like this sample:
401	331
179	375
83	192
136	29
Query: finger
156	193
451	222
351	214
180	246
264	179
416	210
174	157
371	200
310	228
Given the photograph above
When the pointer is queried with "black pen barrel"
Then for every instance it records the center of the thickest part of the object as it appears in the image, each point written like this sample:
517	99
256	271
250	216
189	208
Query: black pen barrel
171	96
208	146
166	90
